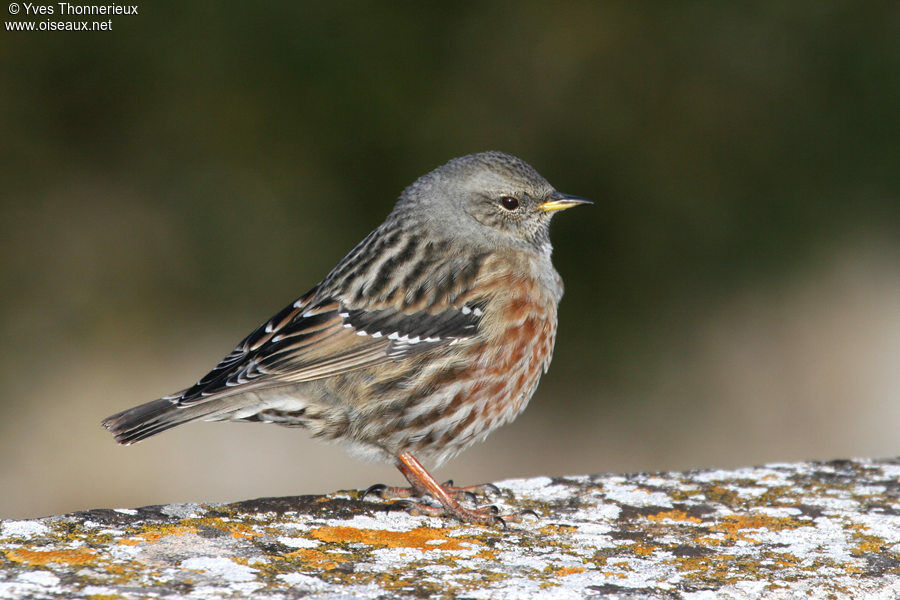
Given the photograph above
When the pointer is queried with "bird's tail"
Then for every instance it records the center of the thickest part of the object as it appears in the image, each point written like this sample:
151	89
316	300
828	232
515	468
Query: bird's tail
135	424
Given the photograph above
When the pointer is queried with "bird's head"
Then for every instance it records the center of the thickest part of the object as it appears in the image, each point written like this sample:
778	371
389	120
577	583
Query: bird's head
490	198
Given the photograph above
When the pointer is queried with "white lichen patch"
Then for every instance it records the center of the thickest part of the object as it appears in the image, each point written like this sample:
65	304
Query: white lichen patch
633	495
39	578
189	510
830	502
878	526
749	492
771	476
297	542
124	552
889	471
394	521
524	486
22	529
303	582
219	567
92	591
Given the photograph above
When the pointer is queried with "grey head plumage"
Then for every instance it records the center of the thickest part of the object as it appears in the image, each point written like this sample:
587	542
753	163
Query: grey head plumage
488	199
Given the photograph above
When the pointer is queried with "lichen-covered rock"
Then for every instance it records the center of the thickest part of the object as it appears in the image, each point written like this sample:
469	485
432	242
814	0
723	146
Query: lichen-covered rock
811	530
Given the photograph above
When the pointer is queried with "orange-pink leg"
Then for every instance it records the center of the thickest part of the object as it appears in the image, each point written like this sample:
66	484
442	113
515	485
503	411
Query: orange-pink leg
448	495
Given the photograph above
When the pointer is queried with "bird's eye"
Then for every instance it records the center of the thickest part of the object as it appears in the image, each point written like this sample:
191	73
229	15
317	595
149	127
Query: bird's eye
509	203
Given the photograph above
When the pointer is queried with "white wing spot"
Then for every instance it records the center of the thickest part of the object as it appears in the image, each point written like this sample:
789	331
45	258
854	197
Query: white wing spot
343	315
394	336
348	326
466	310
361	333
377	334
477	312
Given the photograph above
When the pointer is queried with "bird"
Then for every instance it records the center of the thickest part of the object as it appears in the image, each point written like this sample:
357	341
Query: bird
431	333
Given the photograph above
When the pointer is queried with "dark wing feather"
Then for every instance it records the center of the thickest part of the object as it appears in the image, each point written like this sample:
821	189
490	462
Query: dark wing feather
239	361
308	341
420	326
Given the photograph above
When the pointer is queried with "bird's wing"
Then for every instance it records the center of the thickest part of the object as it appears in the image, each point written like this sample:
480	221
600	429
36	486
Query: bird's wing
315	338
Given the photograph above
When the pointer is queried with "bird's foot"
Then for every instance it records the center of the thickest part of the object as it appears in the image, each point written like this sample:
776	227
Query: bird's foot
446	495
469	492
485	515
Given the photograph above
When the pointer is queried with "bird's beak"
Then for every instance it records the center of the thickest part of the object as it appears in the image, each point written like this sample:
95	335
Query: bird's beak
562	202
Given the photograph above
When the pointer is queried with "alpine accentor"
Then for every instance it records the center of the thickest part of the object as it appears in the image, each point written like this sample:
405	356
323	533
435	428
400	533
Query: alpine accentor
427	336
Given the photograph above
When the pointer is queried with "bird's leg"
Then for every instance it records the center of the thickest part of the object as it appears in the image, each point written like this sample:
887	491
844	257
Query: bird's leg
418	489
422	483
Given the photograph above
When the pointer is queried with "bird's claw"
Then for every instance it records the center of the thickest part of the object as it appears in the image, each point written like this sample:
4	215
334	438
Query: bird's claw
377	490
489	488
402	505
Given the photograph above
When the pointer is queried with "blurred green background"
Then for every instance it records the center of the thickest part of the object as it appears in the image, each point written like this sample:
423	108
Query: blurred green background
733	297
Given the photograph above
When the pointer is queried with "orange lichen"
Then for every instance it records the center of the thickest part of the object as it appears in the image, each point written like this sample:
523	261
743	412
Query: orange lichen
869	543
154	533
157	533
785	560
420	538
642	550
711	541
315	558
569	571
866	543
558	529
716	493
612	574
732	525
235	529
485	555
708	568
76	556
673	515
122	573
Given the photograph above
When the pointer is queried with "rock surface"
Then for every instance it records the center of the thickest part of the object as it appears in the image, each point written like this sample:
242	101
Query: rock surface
811	530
